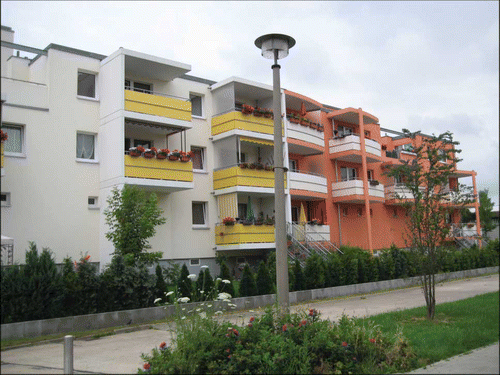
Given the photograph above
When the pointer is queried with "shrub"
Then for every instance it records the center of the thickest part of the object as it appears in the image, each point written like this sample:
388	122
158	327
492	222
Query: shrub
314	272
264	281
161	285
298	282
276	343
204	284
184	283
225	274
248	286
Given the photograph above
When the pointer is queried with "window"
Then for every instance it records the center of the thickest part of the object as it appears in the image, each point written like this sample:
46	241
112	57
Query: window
293	165
243	157
138	86
5	199
198	158
86	85
344	130
196	105
345	211
92	202
395	212
407	147
143	143
242	210
15	141
443	156
199	214
371	212
367	134
370	174
85	146
360	212
348	174
194	262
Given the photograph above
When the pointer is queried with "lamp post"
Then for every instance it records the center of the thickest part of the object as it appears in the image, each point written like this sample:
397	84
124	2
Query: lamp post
276	46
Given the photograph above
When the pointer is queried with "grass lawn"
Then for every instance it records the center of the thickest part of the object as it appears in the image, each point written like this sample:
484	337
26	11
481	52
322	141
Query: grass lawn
457	328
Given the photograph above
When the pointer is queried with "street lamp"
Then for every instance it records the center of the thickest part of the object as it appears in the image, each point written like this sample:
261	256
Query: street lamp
276	46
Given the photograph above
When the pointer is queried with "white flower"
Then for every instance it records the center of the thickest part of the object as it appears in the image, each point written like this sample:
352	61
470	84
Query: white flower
204	267
231	304
192	276
198	309
218	279
225	281
157	300
183	299
169	293
224	296
202	291
183	318
218	312
209	305
203	315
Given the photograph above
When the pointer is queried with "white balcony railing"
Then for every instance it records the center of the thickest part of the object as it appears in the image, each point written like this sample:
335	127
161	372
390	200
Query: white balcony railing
355	187
307	181
352	142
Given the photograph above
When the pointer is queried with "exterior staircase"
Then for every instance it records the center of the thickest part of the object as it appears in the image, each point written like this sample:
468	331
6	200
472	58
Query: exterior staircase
302	244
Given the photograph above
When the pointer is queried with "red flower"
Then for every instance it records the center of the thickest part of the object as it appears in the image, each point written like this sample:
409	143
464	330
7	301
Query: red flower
221	234
146	366
344	343
284	328
372	341
228	350
154	149
235	331
229	356
141	149
250	325
303	322
163	345
252	319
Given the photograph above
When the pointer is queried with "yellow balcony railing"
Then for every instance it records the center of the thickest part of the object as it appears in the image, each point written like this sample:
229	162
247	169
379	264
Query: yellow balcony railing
1	152
236	176
243	234
157	105
237	120
140	167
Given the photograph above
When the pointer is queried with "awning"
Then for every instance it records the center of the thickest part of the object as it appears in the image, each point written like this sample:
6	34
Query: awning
258	141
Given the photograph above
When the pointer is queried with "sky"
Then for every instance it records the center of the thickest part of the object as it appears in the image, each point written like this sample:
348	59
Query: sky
428	66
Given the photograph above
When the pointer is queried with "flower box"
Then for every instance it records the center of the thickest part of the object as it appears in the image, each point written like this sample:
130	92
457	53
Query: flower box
243	165
247	109
228	221
173	157
294	120
374	182
134	153
161	156
185	159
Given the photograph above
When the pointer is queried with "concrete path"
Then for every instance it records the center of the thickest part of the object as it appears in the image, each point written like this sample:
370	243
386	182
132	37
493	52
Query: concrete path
121	353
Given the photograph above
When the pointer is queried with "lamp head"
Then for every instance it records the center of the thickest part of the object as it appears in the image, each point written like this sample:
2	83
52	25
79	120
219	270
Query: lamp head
270	42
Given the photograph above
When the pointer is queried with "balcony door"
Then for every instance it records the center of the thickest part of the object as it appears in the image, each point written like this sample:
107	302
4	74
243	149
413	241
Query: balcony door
348	174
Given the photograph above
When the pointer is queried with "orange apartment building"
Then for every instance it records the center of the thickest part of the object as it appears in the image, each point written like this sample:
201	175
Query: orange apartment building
360	206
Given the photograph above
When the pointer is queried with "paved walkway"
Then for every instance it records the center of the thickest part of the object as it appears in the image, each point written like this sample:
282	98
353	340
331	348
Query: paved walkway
121	353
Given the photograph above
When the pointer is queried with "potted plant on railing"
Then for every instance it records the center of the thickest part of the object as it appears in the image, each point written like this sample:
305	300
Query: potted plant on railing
470	225
228	221
268	167
186	156
268	113
174	155
163	153
258	112
313	125
244	165
294	118
260	219
321	127
3	136
252	166
247	109
374	182
268	221
304	121
259	166
150	153
134	151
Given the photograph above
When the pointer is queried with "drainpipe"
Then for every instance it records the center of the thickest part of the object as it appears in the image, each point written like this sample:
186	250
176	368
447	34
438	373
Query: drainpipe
365	179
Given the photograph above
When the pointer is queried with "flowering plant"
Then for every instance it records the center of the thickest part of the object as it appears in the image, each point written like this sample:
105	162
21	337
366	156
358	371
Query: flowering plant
140	149
3	136
149	153
247	109
163	153
228	221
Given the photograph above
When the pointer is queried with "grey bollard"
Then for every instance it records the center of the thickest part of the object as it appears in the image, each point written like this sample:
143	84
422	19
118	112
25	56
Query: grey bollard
68	354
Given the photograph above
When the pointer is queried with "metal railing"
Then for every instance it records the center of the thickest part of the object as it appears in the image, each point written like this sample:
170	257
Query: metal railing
156	93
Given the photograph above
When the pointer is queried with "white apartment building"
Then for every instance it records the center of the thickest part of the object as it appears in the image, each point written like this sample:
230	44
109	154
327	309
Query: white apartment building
71	117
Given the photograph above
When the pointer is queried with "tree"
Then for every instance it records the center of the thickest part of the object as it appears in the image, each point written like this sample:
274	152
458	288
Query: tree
225	274
264	281
132	218
247	285
184	284
485	208
298	280
161	285
427	178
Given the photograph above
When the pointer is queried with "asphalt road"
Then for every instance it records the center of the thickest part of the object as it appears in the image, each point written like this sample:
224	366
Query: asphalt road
121	353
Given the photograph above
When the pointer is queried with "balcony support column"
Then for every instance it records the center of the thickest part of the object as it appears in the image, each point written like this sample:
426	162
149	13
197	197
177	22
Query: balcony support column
476	206
365	179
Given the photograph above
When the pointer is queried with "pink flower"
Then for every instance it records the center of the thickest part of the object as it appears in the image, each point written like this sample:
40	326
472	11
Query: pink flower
250	325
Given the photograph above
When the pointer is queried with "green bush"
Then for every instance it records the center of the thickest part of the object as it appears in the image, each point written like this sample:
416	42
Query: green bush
225	274
298	279
314	272
248	286
274	343
264	282
184	283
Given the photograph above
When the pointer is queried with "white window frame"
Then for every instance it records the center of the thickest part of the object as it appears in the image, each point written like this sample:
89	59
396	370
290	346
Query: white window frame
96	156
96	88
7	202
194	262
202	99
94	206
345	130
132	84
350	171
205	215
21	154
203	159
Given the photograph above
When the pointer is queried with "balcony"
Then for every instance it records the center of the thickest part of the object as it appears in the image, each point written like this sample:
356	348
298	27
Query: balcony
238	179
398	194
154	107
352	191
305	140
248	124
163	175
243	237
308	185
348	148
